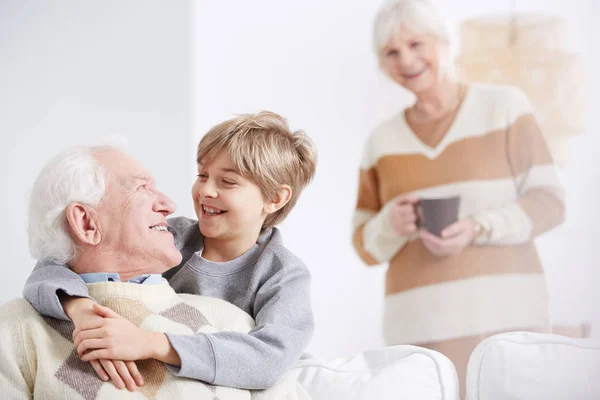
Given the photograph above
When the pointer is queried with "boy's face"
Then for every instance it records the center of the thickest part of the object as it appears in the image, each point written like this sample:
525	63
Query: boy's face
229	207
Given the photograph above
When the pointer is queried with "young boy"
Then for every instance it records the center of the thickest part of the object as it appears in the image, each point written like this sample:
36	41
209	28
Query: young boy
251	170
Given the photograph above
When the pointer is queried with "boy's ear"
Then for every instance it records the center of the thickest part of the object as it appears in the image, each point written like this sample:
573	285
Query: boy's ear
283	197
84	223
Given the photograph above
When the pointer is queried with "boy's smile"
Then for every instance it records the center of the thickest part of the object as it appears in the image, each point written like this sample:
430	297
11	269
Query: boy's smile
211	211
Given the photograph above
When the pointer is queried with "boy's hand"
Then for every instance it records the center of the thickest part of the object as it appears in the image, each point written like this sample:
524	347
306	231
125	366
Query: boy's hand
110	336
123	374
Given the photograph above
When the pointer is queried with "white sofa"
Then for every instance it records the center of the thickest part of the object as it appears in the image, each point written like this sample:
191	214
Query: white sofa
525	365
391	373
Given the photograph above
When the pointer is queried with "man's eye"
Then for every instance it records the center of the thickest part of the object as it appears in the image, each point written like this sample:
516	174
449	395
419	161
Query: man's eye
141	187
392	53
415	44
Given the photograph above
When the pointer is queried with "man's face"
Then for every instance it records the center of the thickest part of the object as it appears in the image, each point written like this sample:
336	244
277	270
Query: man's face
133	216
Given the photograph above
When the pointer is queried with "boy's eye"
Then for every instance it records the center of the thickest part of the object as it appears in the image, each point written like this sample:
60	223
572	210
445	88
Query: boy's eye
228	182
202	176
415	44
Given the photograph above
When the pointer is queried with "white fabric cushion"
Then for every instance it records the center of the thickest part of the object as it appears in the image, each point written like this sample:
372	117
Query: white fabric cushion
391	373
287	389
525	365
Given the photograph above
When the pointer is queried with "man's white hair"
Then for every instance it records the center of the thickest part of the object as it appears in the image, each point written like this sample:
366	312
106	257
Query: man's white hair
74	175
420	16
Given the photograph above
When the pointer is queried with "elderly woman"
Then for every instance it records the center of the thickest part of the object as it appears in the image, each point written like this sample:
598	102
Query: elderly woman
477	141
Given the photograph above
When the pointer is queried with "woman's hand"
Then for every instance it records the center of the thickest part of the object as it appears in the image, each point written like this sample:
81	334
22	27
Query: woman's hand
454	238
123	374
403	216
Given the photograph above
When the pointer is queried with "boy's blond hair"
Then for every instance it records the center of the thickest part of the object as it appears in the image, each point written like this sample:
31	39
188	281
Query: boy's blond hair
263	149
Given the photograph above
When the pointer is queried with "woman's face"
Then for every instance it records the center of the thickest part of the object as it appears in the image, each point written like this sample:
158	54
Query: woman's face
413	60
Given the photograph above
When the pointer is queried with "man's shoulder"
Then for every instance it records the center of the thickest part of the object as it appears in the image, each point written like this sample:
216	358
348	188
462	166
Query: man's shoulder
219	313
206	302
17	311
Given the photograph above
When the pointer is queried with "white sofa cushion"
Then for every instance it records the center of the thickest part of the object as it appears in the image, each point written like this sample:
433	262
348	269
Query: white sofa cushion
525	365
391	373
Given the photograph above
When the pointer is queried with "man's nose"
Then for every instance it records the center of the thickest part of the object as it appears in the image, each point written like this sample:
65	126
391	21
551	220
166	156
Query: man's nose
164	204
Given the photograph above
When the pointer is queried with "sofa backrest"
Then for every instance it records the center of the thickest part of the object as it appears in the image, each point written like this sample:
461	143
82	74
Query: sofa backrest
525	365
391	373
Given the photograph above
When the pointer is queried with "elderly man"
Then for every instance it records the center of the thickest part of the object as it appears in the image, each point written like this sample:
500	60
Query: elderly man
99	211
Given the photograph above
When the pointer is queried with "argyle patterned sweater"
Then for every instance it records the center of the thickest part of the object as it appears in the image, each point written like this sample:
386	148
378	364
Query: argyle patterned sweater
38	358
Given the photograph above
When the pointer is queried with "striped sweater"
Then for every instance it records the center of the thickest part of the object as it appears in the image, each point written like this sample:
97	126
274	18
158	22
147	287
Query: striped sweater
38	359
494	157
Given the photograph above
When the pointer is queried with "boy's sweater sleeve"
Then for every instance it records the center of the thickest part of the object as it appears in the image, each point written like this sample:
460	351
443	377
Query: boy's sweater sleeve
44	284
259	359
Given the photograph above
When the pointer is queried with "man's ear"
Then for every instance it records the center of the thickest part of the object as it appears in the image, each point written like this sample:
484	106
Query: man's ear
83	223
283	197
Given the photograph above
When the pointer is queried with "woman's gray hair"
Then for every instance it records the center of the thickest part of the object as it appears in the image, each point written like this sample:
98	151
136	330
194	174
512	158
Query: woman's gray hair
420	16
74	175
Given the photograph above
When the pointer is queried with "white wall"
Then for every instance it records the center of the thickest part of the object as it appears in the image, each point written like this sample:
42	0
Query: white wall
70	71
312	62
316	68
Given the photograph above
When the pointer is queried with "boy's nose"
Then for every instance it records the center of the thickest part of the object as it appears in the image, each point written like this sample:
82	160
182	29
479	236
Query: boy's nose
208	190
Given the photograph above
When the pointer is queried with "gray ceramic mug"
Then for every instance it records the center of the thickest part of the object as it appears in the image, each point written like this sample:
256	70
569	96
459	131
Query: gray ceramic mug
436	214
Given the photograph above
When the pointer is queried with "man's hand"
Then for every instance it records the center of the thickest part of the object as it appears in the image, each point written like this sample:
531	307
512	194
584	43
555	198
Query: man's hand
114	337
454	238
123	374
